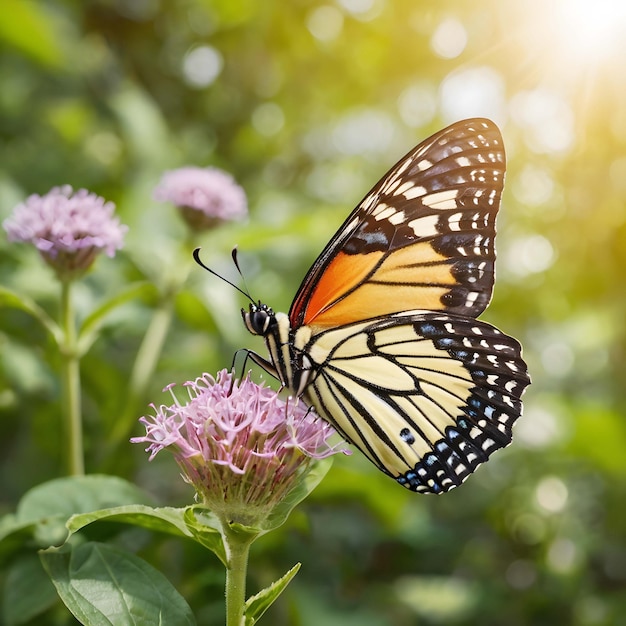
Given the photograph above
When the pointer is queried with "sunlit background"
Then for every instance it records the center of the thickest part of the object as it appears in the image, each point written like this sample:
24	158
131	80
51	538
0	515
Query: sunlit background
307	103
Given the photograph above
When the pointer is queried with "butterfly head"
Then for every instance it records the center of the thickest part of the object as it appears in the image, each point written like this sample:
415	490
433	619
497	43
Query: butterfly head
259	318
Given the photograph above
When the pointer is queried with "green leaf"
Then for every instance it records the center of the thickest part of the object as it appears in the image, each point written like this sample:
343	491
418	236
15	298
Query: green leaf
164	519
13	535
257	605
280	514
12	299
32	30
42	512
65	497
103	585
91	325
28	591
202	527
205	528
244	533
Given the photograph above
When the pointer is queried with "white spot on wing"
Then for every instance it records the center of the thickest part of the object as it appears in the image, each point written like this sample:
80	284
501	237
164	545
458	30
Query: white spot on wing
402	188
368	201
403	167
397	218
424	164
390	186
442	199
414	192
454	221
425	226
353	224
383	212
510	386
471	298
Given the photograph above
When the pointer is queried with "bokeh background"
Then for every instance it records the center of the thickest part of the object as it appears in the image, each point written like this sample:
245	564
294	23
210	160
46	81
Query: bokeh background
307	103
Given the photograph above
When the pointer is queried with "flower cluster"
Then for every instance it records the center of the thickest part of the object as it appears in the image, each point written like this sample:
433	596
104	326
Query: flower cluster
205	196
68	228
238	443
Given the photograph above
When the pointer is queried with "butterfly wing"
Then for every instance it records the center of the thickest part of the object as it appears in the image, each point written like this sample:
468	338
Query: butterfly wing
426	396
426	230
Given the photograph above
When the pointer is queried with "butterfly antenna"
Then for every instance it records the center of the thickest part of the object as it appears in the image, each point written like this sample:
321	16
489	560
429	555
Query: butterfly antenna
233	254
196	256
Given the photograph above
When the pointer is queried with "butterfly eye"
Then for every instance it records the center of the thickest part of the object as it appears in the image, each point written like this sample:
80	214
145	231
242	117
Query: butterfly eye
258	319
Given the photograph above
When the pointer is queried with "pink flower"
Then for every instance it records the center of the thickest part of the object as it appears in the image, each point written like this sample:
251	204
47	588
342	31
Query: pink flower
68	228
238	443
205	196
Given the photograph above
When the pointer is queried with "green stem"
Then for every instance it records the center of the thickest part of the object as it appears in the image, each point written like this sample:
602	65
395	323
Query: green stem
71	383
143	369
148	355
150	349
237	550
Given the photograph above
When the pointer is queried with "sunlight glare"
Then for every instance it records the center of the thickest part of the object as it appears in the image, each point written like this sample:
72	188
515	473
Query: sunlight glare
325	23
547	118
202	66
591	30
417	104
528	254
449	39
473	91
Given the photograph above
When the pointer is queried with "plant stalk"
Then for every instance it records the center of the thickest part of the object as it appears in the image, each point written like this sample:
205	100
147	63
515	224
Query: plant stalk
148	355
71	383
237	550
143	368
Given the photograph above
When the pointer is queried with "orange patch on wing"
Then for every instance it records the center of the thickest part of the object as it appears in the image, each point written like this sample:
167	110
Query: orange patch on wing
343	273
414	277
375	300
417	263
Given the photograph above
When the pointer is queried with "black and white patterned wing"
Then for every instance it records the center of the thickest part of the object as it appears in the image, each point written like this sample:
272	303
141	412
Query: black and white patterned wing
427	397
427	230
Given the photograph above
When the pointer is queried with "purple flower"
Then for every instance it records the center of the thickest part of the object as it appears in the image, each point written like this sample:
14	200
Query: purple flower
68	228
205	196
238	443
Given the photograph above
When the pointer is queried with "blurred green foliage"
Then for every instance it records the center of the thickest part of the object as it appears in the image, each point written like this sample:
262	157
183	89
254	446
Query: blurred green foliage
307	103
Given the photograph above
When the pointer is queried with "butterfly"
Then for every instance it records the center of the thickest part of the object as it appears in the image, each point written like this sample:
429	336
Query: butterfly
382	338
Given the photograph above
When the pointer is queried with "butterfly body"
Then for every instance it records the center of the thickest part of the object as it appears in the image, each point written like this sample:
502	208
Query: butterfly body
381	338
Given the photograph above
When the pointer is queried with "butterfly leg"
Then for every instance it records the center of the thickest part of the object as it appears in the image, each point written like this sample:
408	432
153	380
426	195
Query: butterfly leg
262	362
